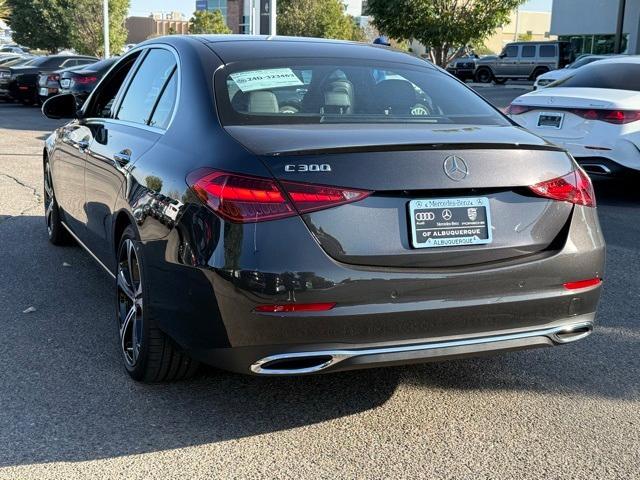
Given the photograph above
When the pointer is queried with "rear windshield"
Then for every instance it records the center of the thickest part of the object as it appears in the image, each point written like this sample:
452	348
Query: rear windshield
618	76
345	91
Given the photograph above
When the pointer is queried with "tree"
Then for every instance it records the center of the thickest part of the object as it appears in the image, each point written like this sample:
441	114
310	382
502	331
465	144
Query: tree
205	21
87	26
4	10
40	24
525	37
316	18
55	24
446	26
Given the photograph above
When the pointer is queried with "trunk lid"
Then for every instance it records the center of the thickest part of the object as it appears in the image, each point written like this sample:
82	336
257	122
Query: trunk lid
405	163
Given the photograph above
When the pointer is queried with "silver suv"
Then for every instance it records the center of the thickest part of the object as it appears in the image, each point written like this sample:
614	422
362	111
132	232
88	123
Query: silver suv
523	61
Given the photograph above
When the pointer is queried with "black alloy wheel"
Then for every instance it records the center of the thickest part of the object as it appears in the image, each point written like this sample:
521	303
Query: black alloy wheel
484	75
149	354
56	232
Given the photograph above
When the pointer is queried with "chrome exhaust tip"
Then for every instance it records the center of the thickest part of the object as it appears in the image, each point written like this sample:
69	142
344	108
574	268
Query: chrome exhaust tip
572	333
293	364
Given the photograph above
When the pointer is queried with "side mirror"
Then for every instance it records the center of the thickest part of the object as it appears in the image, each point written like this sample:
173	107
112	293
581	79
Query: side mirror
61	106
502	55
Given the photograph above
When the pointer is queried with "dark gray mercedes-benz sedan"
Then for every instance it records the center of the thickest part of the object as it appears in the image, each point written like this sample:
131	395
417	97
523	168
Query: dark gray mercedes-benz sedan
289	206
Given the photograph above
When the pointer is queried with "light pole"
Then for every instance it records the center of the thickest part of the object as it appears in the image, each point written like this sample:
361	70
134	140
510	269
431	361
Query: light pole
105	17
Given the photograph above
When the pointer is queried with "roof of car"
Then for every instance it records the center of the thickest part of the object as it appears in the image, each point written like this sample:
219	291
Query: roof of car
620	59
233	48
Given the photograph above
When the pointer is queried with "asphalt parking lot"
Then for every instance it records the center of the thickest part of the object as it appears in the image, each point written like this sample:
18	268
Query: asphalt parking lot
68	409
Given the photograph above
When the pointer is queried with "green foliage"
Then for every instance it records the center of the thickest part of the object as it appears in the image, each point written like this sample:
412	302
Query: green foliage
87	26
4	10
525	37
55	24
443	25
40	24
316	18
205	21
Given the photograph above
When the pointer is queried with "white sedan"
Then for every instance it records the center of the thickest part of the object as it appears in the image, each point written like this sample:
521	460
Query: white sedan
594	113
553	75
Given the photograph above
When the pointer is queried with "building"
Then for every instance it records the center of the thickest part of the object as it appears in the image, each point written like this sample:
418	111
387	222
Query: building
141	28
522	25
235	12
168	16
590	25
353	7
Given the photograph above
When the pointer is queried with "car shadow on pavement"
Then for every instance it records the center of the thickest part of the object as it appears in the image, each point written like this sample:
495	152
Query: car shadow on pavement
66	397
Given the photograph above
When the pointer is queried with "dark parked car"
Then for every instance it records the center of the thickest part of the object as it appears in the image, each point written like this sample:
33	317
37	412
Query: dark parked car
24	79
5	73
391	215
81	81
49	83
463	68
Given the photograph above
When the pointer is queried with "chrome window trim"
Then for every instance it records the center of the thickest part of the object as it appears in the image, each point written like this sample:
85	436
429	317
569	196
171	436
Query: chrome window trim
75	237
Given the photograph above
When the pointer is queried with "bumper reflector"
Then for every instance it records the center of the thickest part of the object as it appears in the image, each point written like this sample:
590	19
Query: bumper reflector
592	282
295	307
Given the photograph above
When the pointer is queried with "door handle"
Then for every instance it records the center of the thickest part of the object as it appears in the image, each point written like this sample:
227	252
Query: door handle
123	157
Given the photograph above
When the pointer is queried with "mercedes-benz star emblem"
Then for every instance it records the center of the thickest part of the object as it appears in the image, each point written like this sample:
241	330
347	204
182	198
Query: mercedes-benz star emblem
455	168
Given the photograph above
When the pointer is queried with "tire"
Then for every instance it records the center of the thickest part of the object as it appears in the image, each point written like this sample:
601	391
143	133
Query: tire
483	75
58	235
149	355
537	72
500	81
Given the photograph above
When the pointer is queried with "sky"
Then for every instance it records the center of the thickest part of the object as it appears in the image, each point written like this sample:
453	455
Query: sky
144	7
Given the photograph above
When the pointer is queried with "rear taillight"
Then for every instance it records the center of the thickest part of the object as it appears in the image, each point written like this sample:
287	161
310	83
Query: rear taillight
617	117
53	77
84	80
514	109
244	198
575	187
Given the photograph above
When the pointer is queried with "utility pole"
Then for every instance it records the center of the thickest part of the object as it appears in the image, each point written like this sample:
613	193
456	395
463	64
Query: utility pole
617	46
105	17
515	34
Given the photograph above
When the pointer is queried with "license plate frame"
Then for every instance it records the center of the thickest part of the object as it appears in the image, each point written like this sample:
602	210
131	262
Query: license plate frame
450	222
550	120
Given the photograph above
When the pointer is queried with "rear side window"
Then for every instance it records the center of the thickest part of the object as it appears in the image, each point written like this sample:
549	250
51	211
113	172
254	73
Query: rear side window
147	86
618	76
162	113
344	91
547	51
529	51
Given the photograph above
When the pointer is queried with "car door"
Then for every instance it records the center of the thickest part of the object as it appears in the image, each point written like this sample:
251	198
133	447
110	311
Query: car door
67	166
508	61
119	140
527	60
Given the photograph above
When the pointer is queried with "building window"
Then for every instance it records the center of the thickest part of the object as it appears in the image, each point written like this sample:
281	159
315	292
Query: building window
594	44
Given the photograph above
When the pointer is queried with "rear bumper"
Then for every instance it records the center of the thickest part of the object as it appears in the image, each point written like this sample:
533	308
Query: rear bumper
297	363
209	310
